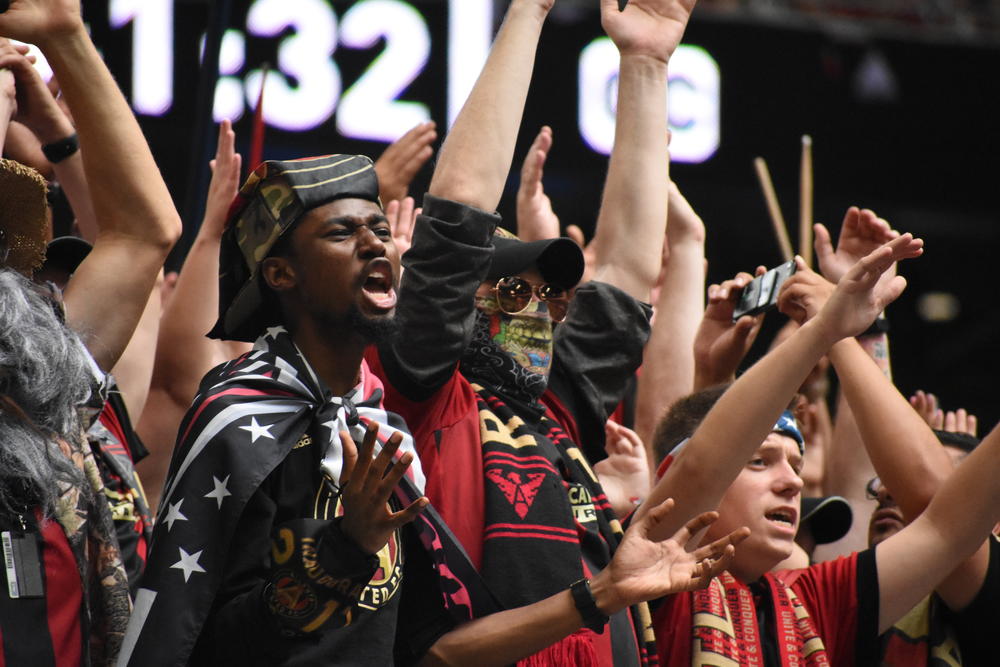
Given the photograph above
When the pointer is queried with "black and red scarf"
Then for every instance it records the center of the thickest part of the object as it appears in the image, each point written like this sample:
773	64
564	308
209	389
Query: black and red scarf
248	415
547	522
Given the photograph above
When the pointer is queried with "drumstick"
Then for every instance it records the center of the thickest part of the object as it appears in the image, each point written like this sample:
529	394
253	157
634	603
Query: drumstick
806	201
777	221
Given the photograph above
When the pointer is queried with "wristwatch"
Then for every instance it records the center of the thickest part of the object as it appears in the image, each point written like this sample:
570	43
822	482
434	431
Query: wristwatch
583	598
58	151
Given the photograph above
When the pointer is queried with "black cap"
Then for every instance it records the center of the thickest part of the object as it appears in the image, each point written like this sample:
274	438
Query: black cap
66	253
559	260
829	518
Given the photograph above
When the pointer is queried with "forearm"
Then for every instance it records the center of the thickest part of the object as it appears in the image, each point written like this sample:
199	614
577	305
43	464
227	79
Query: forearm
70	175
903	449
634	208
846	472
476	156
183	353
128	195
134	369
951	530
450	257
668	360
507	636
737	424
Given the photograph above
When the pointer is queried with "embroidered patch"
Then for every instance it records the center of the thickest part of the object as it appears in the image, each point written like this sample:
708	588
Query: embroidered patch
290	598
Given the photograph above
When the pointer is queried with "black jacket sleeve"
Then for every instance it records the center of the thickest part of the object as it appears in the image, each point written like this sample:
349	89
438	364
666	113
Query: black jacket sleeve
597	351
451	255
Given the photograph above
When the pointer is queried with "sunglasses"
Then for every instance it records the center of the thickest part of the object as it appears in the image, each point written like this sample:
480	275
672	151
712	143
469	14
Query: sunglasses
872	487
513	295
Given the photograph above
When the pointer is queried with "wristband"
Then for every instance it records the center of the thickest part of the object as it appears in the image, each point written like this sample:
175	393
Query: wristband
583	599
58	151
879	326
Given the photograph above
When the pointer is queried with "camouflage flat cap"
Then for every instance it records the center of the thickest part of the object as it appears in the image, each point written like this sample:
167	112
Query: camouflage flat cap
276	195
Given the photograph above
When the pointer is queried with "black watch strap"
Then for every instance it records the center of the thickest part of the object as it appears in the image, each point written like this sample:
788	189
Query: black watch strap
58	151
583	598
878	327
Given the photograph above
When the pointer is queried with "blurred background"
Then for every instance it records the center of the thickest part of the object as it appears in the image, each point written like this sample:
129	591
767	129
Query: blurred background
899	97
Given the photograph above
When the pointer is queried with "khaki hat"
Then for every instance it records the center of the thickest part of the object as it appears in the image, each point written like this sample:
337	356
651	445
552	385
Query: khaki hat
23	220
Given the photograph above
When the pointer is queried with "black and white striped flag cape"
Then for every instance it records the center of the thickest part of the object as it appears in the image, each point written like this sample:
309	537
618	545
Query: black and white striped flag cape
248	415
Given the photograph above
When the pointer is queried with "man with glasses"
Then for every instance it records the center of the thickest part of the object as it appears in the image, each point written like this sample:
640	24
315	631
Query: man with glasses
483	341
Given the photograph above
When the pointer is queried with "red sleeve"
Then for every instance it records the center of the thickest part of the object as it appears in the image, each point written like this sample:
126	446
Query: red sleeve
445	429
842	598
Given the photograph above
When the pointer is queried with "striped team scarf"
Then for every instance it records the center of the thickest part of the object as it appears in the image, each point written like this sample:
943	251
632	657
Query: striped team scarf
248	415
546	518
725	630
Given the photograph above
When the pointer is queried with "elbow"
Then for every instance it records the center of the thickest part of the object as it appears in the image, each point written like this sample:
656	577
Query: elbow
168	232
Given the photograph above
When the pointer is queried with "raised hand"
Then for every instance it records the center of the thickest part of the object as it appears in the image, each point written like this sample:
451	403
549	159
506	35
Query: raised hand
36	106
804	293
225	180
535	219
400	162
861	232
624	475
650	28
721	344
402	217
41	21
646	569
367	484
861	294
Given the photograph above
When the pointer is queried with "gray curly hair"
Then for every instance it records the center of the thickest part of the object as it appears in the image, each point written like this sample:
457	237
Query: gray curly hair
44	376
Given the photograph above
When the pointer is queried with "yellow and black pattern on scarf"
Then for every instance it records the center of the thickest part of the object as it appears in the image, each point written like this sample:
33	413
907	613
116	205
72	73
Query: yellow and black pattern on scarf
725	630
545	512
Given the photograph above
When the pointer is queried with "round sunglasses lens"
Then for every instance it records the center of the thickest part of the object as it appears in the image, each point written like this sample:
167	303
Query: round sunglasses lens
557	300
513	294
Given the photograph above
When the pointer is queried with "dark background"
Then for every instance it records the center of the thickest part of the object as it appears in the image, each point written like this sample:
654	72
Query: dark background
920	151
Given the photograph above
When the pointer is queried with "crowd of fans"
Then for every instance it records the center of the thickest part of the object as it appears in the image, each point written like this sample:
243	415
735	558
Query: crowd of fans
372	432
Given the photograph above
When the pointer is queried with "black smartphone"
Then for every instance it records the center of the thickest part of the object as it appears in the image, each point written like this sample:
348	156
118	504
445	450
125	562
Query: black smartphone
762	292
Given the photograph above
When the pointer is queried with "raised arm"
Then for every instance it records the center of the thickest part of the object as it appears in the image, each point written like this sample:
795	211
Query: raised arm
668	358
477	153
138	223
950	531
634	208
183	353
905	452
848	466
746	413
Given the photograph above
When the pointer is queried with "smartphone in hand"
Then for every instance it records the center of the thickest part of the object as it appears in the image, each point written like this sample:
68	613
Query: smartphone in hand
761	293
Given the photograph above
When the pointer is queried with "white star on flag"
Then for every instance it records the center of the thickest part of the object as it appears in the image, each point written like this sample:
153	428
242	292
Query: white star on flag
174	514
274	331
220	491
188	563
257	431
